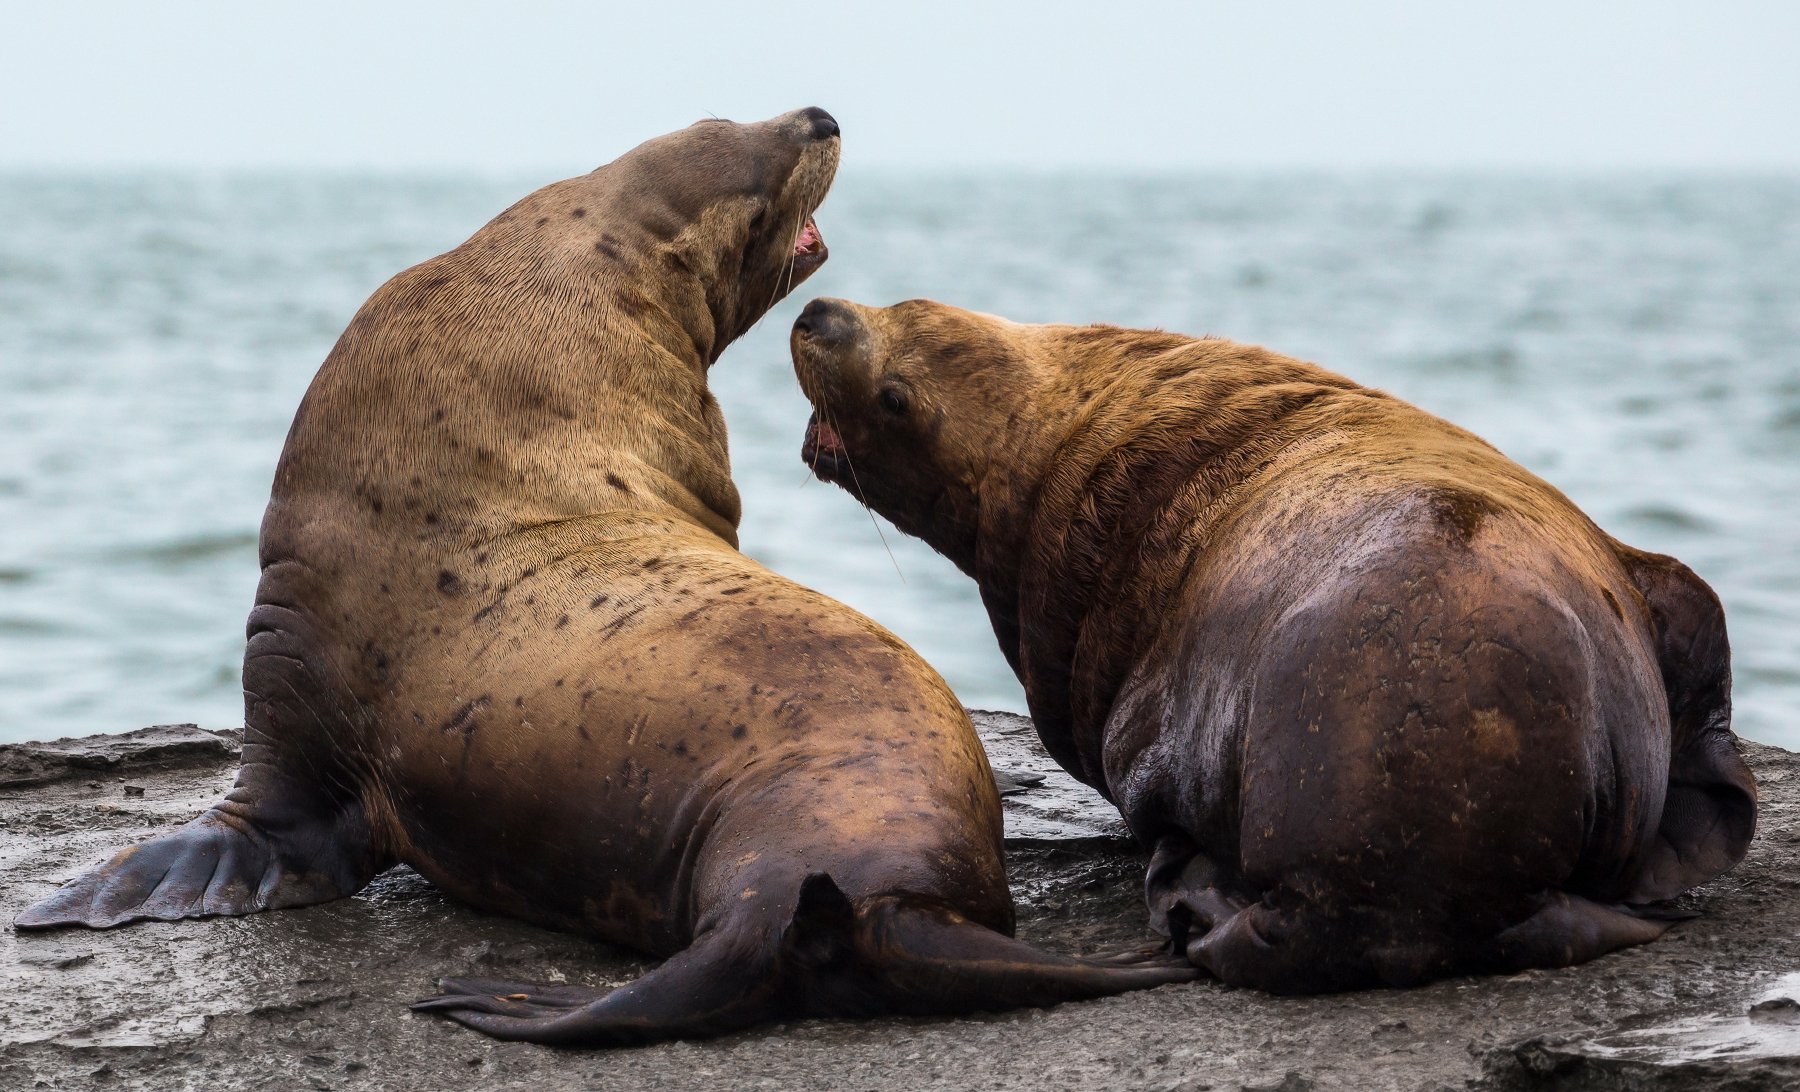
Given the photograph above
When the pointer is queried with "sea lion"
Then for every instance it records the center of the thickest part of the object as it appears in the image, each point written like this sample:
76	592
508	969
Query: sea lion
1385	705
504	635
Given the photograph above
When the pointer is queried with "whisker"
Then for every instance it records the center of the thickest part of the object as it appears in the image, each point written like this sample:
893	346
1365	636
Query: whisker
873	522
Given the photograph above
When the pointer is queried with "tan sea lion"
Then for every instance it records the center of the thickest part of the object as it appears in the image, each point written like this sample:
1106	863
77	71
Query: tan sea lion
1385	705
504	636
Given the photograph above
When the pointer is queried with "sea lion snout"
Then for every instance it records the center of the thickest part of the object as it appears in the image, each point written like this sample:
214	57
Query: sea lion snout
826	322
829	344
832	344
819	124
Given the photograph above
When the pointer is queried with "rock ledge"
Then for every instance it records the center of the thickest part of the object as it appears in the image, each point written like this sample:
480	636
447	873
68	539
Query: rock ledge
316	998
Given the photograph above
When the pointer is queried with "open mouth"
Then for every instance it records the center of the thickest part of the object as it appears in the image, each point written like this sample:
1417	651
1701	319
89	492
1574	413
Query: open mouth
809	249
823	450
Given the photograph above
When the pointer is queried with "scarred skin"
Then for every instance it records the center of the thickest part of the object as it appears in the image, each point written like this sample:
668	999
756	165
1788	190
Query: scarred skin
504	636
1385	705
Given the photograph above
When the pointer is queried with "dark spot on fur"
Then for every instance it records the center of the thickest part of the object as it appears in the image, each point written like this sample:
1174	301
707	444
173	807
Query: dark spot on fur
653	563
384	589
437	415
449	583
739	730
542	220
1613	602
582	728
578	213
618	483
731	591
595	602
605	246
620	622
519	702
377	660
1460	512
563	621
559	682
463	720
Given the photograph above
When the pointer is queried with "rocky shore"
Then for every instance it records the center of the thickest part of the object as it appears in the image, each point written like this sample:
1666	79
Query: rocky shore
317	998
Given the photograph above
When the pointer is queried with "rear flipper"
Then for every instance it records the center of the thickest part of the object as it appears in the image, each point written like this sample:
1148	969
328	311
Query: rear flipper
252	852
831	960
1568	929
1709	814
1298	951
1285	944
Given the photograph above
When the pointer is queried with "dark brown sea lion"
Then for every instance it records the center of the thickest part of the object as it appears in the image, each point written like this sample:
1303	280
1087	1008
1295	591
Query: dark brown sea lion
1386	705
503	635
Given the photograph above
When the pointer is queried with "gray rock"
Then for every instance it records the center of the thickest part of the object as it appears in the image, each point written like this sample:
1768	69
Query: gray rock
316	997
159	747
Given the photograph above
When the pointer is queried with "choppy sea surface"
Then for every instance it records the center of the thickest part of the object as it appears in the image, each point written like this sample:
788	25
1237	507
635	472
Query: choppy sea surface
1635	340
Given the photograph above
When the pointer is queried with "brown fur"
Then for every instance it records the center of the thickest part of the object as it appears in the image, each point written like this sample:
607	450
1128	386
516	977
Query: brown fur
504	636
1386	705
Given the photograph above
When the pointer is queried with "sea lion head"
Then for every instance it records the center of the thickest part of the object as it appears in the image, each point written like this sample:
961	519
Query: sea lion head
578	325
921	409
721	209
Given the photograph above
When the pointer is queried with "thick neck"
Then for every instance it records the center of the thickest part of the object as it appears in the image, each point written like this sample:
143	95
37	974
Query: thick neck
1085	553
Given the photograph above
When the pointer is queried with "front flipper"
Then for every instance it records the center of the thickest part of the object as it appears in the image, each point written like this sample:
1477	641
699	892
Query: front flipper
1709	814
262	848
292	831
214	865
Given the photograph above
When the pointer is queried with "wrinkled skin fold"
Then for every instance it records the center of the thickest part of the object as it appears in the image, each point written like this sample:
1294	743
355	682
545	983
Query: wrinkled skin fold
504	636
1384	705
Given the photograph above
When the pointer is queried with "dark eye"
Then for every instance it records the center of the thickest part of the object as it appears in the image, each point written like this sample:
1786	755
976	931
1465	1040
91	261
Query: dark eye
893	401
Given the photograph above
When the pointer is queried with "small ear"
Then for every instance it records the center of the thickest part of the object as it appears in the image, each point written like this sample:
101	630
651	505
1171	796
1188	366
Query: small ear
823	928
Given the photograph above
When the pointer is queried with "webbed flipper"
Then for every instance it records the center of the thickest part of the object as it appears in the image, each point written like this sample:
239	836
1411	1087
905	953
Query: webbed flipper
1709	813
832	959
214	865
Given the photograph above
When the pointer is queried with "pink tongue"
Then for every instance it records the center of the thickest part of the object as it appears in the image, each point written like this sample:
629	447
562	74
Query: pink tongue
808	236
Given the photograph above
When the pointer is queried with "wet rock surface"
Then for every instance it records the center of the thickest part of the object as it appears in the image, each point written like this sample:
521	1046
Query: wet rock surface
316	998
158	747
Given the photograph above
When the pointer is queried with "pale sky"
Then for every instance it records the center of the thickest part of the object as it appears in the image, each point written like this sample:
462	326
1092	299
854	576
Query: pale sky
541	84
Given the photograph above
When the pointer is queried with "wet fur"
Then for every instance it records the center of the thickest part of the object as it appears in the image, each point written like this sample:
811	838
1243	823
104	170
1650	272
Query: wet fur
1386	705
504	636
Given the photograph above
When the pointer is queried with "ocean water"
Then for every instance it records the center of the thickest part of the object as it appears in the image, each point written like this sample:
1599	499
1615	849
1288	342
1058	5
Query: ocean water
1634	340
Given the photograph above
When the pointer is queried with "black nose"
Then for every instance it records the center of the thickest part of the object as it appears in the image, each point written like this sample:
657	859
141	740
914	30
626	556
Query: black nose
825	320
824	126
